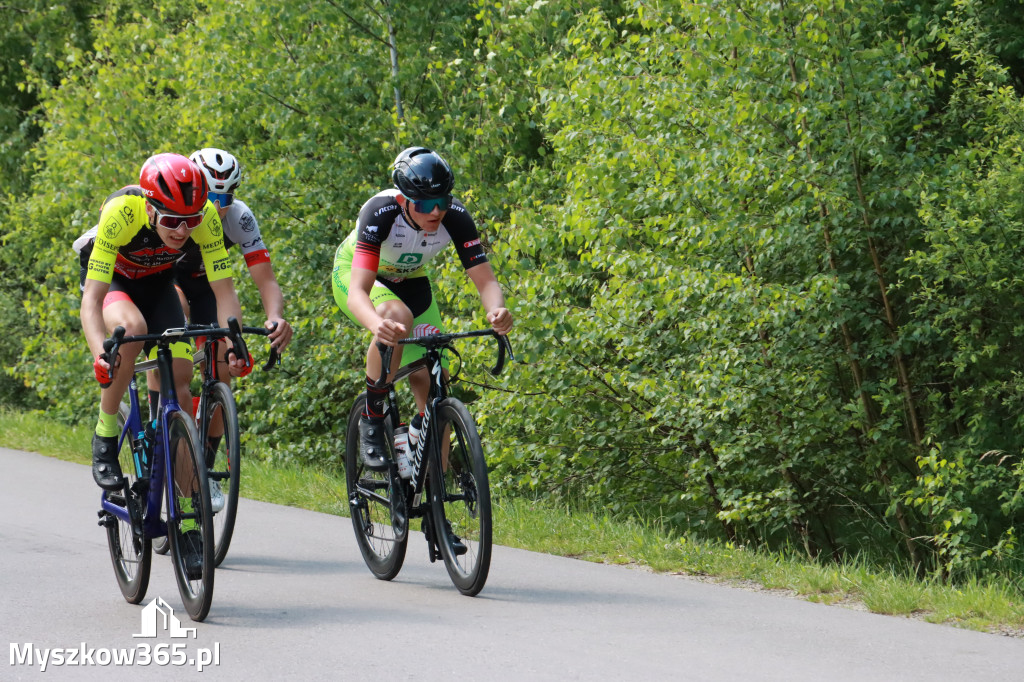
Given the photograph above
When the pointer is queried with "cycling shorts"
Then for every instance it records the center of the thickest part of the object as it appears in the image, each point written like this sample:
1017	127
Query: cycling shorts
415	293
157	300
202	302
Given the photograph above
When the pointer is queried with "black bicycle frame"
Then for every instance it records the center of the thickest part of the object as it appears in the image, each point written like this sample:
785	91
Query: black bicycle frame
433	346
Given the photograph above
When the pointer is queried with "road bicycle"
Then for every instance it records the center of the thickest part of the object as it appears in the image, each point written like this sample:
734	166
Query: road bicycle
161	463
446	461
215	409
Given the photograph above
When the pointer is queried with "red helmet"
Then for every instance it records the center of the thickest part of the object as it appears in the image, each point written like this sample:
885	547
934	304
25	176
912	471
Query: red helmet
173	184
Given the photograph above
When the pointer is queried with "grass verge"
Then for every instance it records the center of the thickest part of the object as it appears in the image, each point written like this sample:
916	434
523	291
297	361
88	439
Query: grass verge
989	606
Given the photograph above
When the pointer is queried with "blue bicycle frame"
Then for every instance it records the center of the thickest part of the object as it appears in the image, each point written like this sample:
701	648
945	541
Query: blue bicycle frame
151	524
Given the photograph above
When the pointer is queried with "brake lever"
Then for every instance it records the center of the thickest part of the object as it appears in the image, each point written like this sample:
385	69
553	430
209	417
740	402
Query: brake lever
385	363
240	350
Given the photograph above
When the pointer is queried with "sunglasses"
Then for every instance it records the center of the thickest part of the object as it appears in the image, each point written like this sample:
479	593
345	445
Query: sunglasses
428	205
170	221
225	199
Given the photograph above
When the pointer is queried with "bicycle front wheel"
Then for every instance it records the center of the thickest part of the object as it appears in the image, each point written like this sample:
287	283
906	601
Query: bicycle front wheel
190	527
223	459
369	495
132	556
461	499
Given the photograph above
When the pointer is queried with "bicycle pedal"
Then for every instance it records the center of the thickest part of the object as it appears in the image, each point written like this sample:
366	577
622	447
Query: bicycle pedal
106	519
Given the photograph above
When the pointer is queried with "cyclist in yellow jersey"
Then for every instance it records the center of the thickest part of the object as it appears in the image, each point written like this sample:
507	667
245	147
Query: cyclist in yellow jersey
127	280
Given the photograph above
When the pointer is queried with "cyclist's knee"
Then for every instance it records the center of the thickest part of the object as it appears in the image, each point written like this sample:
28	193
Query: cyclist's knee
397	311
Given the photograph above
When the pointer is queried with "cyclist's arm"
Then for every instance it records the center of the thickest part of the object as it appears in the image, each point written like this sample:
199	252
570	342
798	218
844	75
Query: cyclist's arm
92	315
113	230
273	303
359	303
491	296
228	306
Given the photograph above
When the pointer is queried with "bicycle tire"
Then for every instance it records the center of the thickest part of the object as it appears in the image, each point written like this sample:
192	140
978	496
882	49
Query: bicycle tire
132	560
223	465
189	480
461	497
159	545
369	509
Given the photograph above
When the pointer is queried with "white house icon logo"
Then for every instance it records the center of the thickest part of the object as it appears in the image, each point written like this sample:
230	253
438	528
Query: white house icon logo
151	617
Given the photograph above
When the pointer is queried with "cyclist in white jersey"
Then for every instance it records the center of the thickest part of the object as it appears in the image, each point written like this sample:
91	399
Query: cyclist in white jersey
379	280
223	175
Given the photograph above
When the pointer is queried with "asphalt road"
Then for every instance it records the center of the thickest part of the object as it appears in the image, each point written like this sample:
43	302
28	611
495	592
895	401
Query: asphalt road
293	601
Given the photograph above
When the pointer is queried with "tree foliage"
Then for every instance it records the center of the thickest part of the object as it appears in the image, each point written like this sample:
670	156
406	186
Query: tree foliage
762	256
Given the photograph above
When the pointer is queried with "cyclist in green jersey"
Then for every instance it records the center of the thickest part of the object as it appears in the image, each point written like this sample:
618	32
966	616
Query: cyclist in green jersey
379	280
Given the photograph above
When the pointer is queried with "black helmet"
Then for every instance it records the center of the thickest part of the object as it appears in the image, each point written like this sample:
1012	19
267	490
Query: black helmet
421	174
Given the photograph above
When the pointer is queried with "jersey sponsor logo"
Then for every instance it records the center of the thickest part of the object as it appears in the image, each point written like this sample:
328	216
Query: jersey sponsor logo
111	228
256	257
127	214
149	252
410	259
254	242
247	222
216	229
475	242
478	257
371	235
220	266
212	246
99	267
379	211
104	244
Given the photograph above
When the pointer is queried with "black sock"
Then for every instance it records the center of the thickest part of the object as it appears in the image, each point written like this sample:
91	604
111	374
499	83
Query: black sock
374	400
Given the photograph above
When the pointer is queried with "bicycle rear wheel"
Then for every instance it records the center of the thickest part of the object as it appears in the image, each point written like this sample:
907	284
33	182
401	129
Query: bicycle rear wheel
369	494
132	557
191	537
461	499
223	463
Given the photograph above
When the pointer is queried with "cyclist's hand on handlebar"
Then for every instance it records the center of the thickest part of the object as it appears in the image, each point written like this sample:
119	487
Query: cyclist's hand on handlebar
501	320
280	333
103	371
389	332
237	366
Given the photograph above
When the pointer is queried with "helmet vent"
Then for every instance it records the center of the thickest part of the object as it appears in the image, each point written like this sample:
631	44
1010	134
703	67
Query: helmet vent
186	192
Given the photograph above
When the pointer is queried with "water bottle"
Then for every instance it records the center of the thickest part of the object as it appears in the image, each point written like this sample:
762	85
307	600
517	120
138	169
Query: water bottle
414	432
402	451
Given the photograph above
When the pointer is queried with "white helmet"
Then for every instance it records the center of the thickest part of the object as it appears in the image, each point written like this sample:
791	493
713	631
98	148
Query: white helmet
221	169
